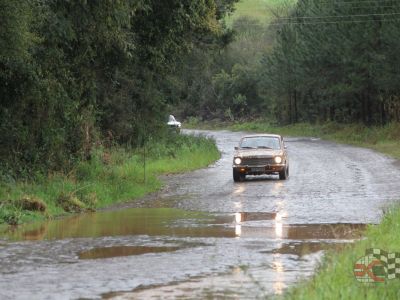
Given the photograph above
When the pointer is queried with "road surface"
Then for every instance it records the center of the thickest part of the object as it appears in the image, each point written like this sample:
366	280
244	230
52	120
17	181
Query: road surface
204	235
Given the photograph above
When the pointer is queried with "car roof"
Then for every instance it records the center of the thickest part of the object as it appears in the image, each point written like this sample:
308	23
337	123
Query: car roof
262	135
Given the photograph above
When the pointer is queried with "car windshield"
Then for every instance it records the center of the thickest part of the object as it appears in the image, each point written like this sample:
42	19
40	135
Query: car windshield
267	142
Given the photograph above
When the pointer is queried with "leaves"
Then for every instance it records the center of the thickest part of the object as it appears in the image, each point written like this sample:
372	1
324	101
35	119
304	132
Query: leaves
332	61
73	72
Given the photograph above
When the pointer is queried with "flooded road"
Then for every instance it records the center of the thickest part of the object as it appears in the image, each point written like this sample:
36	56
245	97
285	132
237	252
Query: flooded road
204	235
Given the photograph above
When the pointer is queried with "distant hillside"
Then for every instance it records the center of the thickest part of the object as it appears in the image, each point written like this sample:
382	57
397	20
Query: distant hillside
261	10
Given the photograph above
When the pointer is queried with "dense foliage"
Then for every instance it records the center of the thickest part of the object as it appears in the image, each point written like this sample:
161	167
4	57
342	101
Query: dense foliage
77	73
313	61
337	61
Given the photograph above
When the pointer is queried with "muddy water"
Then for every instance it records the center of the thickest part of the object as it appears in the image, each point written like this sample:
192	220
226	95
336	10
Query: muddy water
204	236
139	249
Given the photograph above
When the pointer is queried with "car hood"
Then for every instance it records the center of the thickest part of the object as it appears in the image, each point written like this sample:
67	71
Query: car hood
257	153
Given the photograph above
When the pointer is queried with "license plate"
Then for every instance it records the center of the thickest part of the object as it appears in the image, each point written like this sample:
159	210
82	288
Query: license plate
257	169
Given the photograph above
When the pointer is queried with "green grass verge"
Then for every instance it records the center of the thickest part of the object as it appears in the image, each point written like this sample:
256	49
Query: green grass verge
335	279
111	176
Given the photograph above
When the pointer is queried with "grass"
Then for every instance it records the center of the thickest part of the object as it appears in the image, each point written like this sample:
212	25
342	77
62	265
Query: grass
335	279
261	10
111	176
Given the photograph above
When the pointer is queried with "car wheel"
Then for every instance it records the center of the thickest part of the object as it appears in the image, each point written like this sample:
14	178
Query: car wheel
237	176
283	175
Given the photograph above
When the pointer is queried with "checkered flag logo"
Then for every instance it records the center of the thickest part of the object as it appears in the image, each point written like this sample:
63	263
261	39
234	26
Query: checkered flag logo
390	261
377	266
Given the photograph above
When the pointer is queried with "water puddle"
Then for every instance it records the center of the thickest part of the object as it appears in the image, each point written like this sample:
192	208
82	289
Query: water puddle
306	248
135	221
166	252
108	252
180	223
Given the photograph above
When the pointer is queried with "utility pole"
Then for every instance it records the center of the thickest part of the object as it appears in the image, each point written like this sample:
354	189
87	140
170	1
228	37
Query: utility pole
144	153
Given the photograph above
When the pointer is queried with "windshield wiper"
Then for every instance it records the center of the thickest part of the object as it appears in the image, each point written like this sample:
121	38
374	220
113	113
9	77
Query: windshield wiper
264	147
247	147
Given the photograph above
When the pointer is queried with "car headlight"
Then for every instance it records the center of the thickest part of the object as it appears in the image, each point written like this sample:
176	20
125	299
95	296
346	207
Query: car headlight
237	161
278	159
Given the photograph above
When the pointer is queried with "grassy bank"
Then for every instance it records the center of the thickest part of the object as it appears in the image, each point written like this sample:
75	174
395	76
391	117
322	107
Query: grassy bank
111	176
335	279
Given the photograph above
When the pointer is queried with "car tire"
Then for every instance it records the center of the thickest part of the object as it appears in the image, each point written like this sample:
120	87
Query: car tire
283	175
238	177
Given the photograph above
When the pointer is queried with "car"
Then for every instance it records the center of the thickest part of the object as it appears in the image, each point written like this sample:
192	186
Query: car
173	123
259	155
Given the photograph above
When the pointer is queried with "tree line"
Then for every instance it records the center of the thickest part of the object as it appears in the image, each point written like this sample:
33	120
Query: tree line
336	61
316	61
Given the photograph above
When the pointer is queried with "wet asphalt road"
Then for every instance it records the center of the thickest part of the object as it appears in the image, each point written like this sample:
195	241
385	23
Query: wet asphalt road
252	240
329	183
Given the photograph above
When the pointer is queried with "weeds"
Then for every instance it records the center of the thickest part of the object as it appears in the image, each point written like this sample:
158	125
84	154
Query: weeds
9	213
31	203
111	175
335	278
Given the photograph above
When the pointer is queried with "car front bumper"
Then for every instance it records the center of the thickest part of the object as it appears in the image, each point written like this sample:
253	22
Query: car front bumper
259	170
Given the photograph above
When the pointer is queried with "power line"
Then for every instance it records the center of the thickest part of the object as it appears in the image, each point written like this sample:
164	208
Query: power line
357	2
326	22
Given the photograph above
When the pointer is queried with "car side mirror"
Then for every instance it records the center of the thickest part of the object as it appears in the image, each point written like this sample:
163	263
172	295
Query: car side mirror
236	148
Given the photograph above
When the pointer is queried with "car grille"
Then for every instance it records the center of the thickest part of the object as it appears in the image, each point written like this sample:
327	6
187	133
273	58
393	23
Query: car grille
257	161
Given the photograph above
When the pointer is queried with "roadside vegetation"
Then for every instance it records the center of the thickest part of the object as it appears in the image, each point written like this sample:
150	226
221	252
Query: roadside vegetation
335	279
76	73
112	175
310	62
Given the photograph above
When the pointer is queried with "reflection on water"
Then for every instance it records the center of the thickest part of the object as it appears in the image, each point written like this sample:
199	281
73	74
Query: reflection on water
279	274
281	214
305	248
239	189
238	217
238	230
279	230
277	188
136	221
174	222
